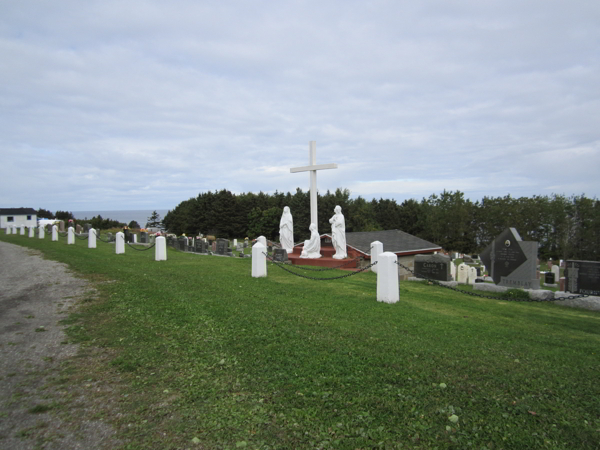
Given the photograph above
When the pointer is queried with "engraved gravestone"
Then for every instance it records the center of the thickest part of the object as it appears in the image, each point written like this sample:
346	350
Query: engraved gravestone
582	277
221	247
280	255
201	246
549	278
511	261
144	237
182	244
435	267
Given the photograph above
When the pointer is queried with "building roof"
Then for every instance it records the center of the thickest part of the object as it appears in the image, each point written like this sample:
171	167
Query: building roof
394	241
17	211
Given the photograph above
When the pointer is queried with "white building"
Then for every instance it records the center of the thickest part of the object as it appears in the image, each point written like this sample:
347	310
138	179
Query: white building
18	217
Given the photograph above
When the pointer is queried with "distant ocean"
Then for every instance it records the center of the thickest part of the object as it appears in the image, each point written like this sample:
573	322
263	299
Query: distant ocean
139	215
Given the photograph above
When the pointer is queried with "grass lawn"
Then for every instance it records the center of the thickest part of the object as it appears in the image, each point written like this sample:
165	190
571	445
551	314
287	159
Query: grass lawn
214	358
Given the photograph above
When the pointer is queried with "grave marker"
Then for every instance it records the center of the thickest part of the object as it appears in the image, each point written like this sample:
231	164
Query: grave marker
582	277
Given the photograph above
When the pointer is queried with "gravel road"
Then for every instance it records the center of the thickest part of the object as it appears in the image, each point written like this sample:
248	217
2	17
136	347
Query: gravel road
35	294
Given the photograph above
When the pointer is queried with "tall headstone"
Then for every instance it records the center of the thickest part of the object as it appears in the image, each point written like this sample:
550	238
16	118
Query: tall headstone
160	249
91	238
582	277
376	250
61	226
463	273
435	267
120	243
511	261
556	272
259	260
387	278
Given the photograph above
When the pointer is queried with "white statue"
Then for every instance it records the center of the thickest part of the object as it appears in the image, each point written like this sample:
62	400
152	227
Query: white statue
338	233
312	247
286	230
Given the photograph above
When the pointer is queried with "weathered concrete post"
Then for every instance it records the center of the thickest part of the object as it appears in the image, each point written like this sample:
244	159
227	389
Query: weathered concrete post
160	249
71	236
134	238
14	229
120	243
91	238
376	250
31	232
41	233
8	230
22	230
387	278
259	260
54	233
262	240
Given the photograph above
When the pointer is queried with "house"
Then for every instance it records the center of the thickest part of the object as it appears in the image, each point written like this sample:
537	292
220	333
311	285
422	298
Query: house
358	244
18	217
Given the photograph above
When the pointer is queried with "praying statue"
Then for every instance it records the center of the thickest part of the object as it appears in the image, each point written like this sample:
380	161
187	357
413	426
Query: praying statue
286	230
312	247
338	233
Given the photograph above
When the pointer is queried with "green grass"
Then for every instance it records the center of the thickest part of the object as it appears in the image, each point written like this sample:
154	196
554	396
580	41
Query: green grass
215	357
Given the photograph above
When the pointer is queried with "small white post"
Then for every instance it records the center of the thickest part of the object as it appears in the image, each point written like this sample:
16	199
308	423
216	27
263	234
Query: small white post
22	230
376	250
120	243
387	278
262	240
9	230
91	238
14	229
41	233
160	249
54	233
134	238
259	260
31	232
71	236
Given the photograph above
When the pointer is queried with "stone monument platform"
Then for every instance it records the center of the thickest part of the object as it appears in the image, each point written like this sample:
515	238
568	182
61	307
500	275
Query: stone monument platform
326	259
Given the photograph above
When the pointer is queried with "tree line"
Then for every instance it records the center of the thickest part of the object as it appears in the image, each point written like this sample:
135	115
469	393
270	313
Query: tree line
564	227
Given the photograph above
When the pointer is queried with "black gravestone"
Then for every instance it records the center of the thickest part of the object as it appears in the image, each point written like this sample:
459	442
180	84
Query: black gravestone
201	246
435	267
143	237
222	245
478	269
182	244
511	261
549	278
280	255
582	277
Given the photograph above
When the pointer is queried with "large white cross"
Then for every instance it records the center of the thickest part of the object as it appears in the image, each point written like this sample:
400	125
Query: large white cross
312	160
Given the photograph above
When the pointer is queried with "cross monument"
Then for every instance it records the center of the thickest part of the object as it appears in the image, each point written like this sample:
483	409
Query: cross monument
312	160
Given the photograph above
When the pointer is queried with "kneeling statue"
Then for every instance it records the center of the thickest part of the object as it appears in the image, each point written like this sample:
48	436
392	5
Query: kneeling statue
312	247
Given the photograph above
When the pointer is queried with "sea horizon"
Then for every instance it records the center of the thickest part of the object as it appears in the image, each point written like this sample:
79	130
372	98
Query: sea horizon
125	216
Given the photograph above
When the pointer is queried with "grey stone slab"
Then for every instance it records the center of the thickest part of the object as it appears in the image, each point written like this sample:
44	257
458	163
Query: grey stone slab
488	287
435	267
582	277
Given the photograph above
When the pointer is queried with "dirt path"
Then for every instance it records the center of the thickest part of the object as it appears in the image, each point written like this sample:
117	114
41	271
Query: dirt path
36	399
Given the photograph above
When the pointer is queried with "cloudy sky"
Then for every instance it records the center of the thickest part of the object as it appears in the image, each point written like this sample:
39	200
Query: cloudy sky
110	105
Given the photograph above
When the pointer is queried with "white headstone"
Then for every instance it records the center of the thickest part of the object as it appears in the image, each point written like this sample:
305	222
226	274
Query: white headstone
160	249
91	238
556	272
119	243
22	230
376	250
54	233
8	230
472	275
259	260
387	278
235	242
463	273
312	168
14	229
31	232
71	236
41	233
263	241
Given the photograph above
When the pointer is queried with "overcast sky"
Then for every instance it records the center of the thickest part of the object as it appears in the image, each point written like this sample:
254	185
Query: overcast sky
109	105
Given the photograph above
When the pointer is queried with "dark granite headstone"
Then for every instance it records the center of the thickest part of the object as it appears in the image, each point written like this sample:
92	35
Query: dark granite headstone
201	246
549	278
582	277
435	267
511	261
222	245
144	237
280	255
78	229
269	249
478	269
61	226
182	241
